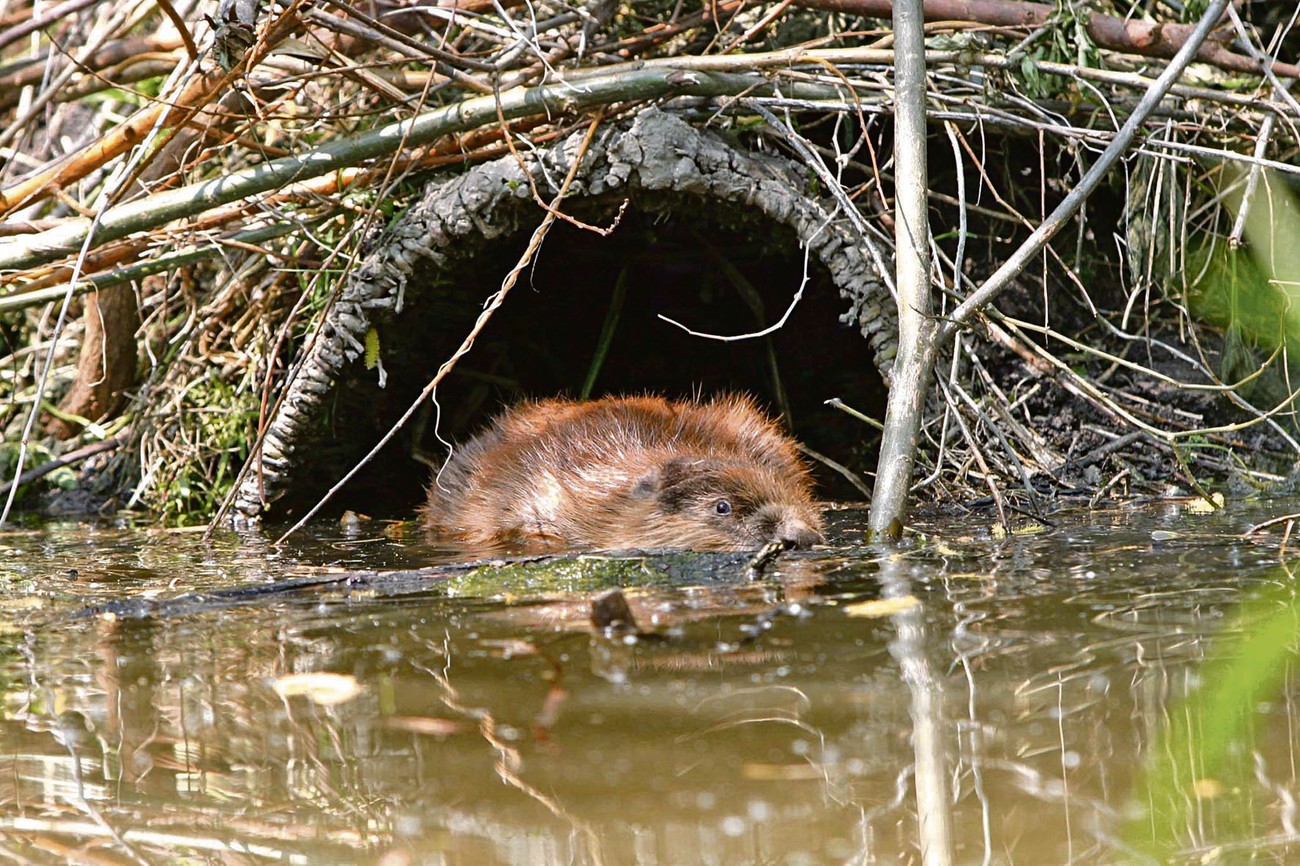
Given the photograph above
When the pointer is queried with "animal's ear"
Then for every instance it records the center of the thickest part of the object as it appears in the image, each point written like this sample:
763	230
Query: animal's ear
666	476
647	485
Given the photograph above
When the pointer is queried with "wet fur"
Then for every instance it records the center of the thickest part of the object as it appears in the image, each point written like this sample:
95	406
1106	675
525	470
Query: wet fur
622	473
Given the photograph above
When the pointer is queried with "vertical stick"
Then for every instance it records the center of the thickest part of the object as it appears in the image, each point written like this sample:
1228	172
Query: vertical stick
915	361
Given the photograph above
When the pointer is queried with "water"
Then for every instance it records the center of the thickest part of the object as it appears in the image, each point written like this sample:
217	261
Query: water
478	719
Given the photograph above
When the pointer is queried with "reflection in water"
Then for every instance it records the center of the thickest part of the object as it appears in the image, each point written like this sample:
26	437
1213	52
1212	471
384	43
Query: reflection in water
758	723
910	650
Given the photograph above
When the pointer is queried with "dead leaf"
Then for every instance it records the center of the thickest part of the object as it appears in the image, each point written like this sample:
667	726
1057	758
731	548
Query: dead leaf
325	689
882	606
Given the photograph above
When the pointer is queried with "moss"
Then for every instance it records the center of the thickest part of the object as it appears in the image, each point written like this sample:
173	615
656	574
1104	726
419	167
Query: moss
593	572
581	574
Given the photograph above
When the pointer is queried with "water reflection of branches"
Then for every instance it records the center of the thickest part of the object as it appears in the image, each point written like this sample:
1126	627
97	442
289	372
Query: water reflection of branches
509	762
71	730
968	646
787	706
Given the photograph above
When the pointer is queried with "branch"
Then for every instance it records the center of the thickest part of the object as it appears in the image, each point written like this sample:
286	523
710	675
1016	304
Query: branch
914	366
40	22
66	460
548	100
30	71
1147	38
174	111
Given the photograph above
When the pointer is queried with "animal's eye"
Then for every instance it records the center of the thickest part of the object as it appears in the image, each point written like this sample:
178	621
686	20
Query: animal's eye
722	506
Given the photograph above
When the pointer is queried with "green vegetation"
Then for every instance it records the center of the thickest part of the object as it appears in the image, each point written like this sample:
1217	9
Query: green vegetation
1251	292
580	574
215	425
1201	763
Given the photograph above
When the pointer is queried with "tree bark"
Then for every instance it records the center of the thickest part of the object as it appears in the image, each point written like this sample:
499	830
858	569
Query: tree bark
916	328
107	367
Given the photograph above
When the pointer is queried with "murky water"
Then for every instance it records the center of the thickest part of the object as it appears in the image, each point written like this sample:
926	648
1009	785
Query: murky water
479	719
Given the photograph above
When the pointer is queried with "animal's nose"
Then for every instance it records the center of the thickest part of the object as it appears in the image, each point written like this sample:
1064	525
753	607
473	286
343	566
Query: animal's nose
796	533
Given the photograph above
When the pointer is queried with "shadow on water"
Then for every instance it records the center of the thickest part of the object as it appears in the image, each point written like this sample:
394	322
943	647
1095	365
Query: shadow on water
349	704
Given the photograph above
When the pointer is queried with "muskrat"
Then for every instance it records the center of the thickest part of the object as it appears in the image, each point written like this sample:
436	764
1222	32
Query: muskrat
628	472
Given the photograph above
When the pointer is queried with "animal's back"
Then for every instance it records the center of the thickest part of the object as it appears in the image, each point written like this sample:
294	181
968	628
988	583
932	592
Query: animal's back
627	472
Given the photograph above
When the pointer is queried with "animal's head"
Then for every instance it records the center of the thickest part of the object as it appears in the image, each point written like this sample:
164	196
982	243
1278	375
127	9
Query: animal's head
709	504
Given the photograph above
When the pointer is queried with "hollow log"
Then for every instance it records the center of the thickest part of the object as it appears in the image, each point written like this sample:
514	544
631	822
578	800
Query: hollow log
656	158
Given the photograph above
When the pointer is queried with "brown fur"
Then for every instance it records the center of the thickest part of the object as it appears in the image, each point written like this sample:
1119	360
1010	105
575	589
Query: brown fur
627	472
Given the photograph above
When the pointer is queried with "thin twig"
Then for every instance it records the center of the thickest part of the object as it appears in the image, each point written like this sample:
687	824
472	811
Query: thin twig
65	460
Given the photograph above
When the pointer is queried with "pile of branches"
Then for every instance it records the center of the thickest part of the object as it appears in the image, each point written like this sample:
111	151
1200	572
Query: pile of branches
184	186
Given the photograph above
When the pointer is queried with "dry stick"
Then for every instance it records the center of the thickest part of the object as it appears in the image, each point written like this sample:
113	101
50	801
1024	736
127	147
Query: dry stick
64	173
67	170
914	365
164	262
316	189
845	472
179	23
831	183
1115	361
1148	38
919	343
351	28
1267	523
1092	393
111	188
1265	131
36	108
989	479
539	234
1252	182
996	430
837	403
59	462
759	27
1266	63
197	93
162	208
650	79
508	139
403	44
39	22
787	58
78	798
117	53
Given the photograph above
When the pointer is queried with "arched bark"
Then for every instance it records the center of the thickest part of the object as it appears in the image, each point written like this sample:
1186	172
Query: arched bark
656	158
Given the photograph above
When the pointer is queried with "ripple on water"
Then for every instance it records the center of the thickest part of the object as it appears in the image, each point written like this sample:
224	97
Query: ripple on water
476	717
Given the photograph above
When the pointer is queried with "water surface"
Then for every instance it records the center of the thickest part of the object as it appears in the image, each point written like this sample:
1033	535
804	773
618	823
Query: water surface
480	719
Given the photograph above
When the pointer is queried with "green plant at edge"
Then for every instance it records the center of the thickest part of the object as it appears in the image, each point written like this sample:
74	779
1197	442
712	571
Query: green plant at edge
1203	753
